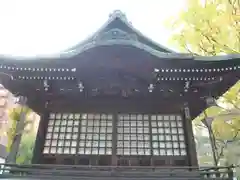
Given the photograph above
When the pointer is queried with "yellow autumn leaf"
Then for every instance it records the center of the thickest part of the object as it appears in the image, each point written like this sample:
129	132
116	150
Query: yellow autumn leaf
223	130
201	26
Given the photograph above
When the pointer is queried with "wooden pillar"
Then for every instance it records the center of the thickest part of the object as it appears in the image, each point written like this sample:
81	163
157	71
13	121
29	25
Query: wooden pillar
210	101
189	137
114	139
150	139
40	139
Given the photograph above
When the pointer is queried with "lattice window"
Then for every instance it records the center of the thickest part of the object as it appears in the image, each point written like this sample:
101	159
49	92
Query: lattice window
62	134
92	134
96	134
168	135
133	137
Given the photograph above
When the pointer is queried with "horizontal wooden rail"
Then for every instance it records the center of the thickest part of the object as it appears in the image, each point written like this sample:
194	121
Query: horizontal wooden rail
114	172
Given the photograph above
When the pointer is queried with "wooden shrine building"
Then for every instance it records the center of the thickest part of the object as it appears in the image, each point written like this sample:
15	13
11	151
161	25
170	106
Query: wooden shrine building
118	98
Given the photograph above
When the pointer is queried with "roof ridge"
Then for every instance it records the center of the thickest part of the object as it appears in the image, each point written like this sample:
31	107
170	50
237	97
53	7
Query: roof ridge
113	16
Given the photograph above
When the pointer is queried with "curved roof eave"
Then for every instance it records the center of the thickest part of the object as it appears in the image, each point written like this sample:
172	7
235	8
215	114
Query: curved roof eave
136	44
152	51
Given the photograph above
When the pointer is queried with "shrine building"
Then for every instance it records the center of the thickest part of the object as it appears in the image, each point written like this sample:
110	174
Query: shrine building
118	98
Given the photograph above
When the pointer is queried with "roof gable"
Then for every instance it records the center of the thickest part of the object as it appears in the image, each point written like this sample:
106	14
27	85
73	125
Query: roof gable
119	28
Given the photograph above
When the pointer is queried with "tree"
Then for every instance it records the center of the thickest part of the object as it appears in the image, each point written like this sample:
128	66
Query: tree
225	114
208	27
24	154
212	27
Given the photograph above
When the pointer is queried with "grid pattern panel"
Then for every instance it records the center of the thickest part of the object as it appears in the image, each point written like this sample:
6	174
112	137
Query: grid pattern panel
168	135
62	134
133	137
92	134
96	134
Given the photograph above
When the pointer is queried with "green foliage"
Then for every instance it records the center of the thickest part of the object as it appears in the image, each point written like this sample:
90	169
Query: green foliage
226	129
27	142
14	116
25	152
226	115
212	27
11	133
208	27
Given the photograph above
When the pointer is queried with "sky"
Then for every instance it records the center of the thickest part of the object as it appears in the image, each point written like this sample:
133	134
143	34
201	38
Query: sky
41	27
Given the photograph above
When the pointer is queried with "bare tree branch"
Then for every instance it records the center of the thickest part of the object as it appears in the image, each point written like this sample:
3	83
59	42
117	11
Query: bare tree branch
221	153
205	51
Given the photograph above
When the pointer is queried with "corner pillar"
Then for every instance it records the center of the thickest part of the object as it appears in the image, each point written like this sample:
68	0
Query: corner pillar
189	137
40	139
